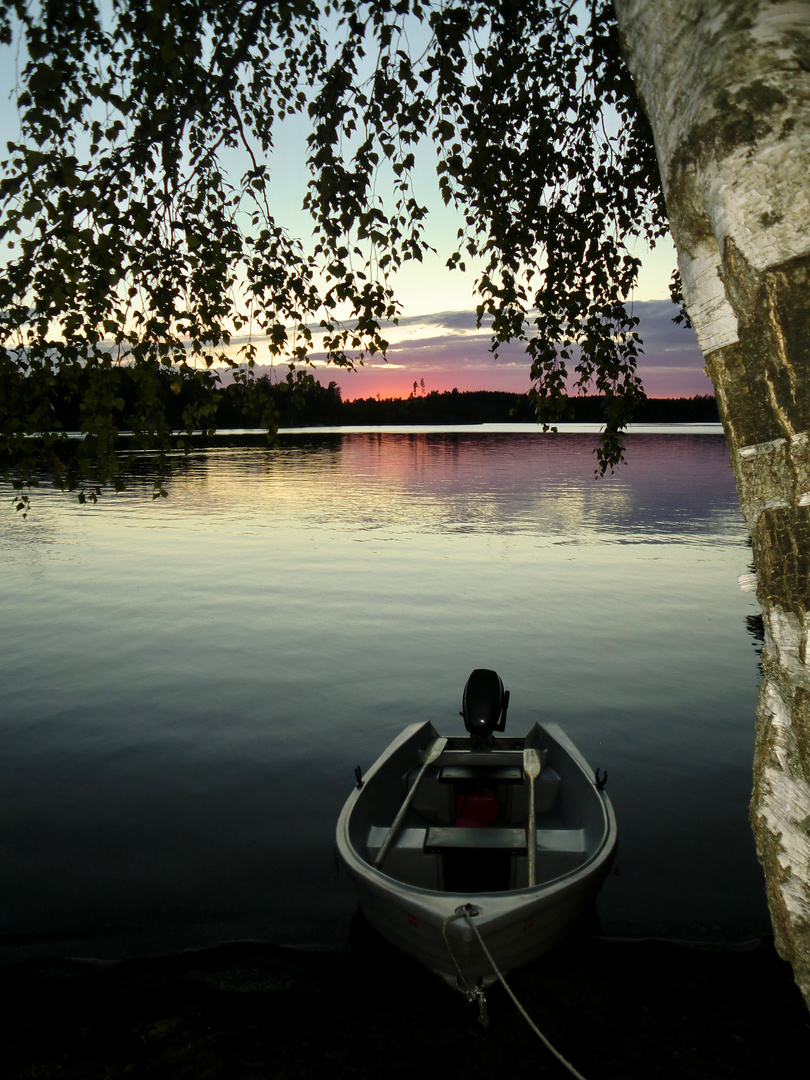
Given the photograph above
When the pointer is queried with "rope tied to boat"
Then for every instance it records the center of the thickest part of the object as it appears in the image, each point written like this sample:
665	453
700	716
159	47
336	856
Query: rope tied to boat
467	911
475	995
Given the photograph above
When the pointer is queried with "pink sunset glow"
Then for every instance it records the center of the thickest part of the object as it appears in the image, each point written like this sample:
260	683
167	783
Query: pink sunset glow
447	351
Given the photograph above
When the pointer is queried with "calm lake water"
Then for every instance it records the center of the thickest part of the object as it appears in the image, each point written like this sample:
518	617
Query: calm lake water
188	684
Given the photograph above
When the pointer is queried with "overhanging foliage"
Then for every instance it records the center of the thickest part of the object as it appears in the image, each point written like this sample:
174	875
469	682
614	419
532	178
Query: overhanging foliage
128	242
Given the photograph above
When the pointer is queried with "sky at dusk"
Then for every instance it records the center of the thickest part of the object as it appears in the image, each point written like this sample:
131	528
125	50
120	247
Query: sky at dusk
445	349
436	338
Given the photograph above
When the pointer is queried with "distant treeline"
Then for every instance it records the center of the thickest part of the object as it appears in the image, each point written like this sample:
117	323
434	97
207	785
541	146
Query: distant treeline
498	407
301	401
309	404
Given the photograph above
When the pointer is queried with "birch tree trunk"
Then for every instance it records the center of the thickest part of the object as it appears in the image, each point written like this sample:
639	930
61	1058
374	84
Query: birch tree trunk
726	87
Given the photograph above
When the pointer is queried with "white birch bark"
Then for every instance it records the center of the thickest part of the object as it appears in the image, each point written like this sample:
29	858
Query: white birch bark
726	87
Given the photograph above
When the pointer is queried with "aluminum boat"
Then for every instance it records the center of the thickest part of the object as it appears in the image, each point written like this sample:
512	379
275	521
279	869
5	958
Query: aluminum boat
484	837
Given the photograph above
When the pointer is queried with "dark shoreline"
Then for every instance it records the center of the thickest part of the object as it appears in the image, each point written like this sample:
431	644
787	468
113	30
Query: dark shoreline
615	1009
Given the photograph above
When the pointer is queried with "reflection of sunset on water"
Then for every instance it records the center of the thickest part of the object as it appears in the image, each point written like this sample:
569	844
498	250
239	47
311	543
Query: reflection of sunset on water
173	669
460	482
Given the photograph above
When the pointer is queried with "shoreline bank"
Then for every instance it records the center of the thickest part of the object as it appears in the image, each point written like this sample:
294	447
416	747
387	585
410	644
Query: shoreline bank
614	1008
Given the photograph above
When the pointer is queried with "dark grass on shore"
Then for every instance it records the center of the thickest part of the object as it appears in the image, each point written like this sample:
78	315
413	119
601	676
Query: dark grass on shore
615	1009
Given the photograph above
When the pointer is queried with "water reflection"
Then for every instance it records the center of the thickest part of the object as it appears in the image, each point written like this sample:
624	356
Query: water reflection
445	483
189	683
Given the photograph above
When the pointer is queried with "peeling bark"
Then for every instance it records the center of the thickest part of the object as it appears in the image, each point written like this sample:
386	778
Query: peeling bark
726	86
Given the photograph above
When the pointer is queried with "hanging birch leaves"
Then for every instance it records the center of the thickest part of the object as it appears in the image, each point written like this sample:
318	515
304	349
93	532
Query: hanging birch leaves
136	262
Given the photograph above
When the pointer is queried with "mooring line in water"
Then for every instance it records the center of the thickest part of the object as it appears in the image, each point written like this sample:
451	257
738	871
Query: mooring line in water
478	993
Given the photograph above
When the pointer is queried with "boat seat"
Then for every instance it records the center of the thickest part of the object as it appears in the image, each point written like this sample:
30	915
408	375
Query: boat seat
441	838
567	840
407	839
489	774
407	859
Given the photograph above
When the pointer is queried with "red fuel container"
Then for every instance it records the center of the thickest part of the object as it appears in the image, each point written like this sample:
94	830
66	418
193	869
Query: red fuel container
477	807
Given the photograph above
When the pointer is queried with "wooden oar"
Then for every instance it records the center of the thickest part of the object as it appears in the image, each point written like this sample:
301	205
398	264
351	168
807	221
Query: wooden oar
432	753
531	768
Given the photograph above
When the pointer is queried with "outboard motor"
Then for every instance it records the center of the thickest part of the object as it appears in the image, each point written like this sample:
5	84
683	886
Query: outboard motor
484	705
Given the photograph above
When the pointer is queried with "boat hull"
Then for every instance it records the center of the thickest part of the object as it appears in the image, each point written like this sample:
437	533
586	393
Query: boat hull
517	924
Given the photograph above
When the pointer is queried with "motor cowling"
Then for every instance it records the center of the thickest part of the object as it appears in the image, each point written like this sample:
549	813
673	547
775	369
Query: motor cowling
484	704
